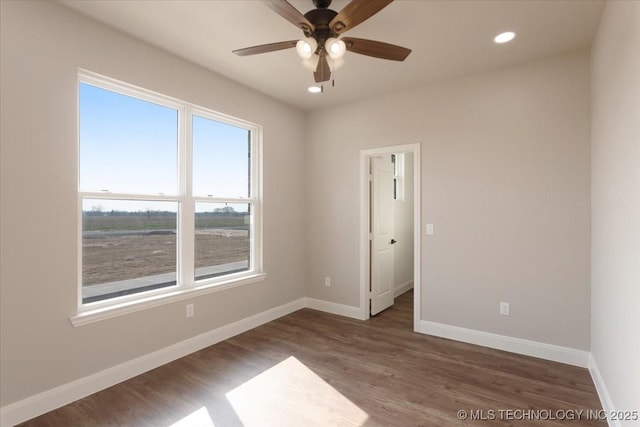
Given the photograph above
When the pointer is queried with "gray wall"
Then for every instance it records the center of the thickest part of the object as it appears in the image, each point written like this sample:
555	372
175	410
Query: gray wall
43	45
615	203
505	181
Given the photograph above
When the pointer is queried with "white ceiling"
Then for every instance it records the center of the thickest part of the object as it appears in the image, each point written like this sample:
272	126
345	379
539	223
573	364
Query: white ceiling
449	39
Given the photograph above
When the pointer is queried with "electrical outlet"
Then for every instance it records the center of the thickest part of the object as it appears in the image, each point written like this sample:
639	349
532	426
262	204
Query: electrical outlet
504	308
327	281
190	310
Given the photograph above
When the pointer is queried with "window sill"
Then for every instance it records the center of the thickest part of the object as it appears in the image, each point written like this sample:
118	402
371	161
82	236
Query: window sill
95	315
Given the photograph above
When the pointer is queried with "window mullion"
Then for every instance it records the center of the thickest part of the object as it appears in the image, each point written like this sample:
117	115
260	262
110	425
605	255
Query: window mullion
127	196
243	200
187	205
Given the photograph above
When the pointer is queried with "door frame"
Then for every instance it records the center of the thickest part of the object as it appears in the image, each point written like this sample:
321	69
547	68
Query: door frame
365	202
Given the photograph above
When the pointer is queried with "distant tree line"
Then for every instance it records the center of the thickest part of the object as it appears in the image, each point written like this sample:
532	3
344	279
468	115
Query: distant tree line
146	213
226	211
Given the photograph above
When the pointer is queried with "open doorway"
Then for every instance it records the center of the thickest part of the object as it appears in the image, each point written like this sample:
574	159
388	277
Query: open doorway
389	228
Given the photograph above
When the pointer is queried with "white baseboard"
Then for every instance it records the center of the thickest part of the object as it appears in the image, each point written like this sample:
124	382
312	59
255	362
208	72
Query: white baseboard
552	352
334	308
603	393
49	400
401	289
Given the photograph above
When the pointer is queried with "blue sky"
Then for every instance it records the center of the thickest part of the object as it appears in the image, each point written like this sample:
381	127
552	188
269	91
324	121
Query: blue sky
131	146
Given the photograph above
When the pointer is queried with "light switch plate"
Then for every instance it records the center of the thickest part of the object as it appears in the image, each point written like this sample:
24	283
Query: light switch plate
504	308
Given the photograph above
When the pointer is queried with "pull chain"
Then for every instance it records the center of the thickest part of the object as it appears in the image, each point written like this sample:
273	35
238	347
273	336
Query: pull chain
333	75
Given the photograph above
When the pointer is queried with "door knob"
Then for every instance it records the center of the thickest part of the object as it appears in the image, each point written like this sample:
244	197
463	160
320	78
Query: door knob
393	241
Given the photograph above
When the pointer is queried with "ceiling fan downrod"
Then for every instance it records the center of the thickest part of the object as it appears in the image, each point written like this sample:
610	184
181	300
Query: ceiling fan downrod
322	4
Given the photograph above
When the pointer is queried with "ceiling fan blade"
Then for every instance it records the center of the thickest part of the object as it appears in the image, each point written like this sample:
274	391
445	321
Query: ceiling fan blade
355	13
376	49
323	72
264	48
291	14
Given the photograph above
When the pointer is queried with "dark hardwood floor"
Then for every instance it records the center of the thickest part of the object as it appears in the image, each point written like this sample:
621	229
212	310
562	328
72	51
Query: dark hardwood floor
315	369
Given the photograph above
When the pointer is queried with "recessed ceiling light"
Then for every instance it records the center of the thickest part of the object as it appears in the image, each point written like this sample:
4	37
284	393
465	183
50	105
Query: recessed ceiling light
314	89
504	37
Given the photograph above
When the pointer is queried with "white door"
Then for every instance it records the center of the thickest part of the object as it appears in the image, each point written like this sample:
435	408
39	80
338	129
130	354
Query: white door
381	233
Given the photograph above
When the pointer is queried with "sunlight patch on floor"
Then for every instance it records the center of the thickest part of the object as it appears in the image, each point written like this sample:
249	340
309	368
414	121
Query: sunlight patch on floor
199	418
291	394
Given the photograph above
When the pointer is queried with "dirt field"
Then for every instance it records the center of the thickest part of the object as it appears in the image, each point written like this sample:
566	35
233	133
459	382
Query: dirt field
113	258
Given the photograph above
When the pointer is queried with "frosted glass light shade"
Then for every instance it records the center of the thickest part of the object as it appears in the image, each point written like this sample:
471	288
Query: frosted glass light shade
311	63
334	65
336	48
306	47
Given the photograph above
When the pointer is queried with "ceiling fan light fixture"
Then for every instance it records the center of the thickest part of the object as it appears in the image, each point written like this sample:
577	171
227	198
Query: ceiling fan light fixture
314	89
321	48
504	37
334	65
306	47
336	48
311	63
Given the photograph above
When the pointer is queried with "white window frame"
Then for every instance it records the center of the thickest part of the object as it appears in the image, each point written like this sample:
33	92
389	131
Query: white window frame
186	286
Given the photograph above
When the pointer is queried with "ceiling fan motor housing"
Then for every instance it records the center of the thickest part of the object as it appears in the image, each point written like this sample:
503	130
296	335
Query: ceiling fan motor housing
320	18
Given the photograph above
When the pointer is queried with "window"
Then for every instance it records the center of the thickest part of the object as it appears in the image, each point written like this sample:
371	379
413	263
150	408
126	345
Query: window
168	196
397	163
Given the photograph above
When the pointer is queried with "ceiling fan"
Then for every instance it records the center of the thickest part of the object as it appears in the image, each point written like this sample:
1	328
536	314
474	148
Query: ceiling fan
323	47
